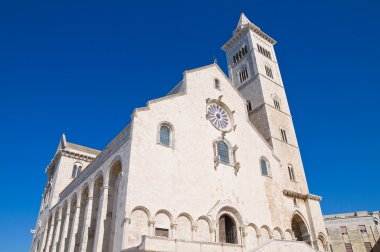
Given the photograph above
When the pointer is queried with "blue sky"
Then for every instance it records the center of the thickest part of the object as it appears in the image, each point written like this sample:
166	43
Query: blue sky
81	67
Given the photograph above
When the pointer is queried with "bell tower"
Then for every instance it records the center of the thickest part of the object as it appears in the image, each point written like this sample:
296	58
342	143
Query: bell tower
253	69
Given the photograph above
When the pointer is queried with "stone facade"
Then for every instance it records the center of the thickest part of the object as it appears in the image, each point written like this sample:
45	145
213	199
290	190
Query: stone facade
212	166
359	231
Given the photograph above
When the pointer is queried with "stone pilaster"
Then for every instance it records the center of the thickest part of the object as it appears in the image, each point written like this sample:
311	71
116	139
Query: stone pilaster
127	222
65	229
49	240
57	231
74	228
86	224
102	214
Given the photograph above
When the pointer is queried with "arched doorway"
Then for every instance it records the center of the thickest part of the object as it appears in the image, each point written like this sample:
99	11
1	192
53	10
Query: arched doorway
299	229
227	229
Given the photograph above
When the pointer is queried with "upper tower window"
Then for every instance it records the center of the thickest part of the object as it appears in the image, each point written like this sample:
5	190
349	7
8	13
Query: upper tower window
264	51
276	103
77	168
240	54
283	135
217	83
268	71
223	152
249	105
291	173
243	74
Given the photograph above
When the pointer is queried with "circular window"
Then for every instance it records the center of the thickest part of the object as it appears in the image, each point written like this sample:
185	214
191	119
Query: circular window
219	116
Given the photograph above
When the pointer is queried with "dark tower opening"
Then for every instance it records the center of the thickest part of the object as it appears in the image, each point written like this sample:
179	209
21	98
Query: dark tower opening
227	229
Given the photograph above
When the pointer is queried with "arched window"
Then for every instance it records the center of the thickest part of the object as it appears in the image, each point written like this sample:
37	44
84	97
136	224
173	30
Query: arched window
268	71
165	133
223	152
283	135
249	105
243	74
291	173
276	102
264	167
77	168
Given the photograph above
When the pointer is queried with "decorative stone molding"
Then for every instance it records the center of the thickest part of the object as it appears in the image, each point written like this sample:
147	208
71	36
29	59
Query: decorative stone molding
237	167
302	196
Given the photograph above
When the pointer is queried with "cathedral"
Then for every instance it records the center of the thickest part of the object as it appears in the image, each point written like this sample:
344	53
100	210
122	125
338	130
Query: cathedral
213	166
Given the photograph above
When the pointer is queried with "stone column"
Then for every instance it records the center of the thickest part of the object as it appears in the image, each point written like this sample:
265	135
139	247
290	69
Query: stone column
127	222
74	228
57	231
151	227
213	235
87	222
172	231
102	214
49	240
65	229
193	231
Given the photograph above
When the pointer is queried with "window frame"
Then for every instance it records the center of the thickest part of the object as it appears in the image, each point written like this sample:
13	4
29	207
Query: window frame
228	151
269	174
171	134
291	173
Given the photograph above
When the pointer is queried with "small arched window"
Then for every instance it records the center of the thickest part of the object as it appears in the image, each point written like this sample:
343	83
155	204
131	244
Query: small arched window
223	152
249	106
77	168
264	167
165	135
291	173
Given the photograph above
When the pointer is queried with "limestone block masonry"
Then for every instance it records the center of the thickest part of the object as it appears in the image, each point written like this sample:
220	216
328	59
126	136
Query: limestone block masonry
212	166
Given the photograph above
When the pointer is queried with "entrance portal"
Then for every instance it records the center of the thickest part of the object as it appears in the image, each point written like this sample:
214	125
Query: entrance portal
227	229
300	230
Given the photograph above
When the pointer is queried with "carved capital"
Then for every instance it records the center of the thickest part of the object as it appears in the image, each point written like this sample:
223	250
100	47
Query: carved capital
151	222
173	225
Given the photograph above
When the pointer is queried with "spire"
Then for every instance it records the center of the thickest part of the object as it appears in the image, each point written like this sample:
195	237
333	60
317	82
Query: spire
243	22
62	143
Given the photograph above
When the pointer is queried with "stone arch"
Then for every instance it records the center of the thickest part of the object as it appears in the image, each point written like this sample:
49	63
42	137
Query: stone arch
203	230
163	222
266	233
229	222
232	210
139	225
164	211
300	228
289	235
322	242
114	176
278	234
185	224
144	209
252	234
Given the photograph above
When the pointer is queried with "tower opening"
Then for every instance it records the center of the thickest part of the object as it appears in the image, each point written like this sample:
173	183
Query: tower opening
300	230
227	229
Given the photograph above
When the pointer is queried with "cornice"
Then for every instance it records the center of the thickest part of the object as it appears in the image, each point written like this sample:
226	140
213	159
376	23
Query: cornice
252	27
302	196
68	153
